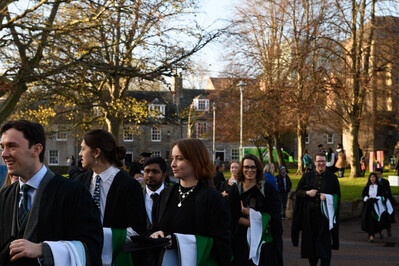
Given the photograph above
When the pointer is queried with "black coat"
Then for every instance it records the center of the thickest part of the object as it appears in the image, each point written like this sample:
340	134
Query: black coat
125	202
326	239
62	210
369	223
124	207
280	183
210	215
266	201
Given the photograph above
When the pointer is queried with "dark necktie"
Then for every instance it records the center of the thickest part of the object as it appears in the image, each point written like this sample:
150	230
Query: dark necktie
23	203
154	196
96	194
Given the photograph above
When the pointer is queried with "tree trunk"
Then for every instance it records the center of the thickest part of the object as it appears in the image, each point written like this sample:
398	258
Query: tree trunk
114	126
353	149
300	134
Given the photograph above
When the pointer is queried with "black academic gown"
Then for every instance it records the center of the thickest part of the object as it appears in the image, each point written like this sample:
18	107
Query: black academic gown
267	201
61	210
369	222
124	206
302	217
388	194
208	217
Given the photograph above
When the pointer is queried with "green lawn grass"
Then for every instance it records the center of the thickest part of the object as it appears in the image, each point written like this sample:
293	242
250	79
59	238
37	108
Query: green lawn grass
351	188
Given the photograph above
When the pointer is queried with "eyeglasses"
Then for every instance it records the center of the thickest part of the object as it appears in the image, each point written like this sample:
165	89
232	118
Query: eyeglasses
321	161
247	167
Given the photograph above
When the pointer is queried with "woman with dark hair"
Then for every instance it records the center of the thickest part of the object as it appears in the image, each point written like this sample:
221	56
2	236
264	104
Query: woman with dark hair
373	195
193	206
251	200
118	196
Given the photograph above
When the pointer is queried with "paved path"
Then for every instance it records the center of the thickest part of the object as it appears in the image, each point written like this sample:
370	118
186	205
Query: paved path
354	247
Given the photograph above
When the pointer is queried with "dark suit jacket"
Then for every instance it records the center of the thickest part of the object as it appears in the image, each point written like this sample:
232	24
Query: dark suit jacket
61	210
149	225
125	202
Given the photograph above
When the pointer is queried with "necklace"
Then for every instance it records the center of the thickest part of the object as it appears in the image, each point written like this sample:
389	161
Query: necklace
183	195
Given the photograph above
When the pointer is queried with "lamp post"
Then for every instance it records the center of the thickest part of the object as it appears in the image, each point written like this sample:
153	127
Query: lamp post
241	85
214	132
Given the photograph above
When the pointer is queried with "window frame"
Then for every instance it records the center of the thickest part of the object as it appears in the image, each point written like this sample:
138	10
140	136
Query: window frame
156	134
51	157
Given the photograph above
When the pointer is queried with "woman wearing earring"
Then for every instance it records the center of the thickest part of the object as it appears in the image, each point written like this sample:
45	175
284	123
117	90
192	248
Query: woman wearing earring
193	206
252	200
118	196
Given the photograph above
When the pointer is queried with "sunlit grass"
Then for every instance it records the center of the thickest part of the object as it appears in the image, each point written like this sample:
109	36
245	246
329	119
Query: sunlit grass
351	188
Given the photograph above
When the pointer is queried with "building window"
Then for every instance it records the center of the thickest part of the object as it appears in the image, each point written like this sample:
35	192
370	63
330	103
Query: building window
307	139
155	134
61	134
235	154
201	105
157	110
201	129
330	138
156	154
128	158
53	157
127	134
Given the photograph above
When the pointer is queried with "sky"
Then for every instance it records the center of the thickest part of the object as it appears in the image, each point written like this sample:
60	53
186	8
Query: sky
211	12
214	11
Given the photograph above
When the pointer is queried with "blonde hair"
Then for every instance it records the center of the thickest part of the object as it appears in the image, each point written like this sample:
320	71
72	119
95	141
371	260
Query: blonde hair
8	180
269	167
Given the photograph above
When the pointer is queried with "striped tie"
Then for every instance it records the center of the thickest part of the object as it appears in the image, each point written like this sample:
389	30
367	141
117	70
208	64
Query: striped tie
23	204
96	194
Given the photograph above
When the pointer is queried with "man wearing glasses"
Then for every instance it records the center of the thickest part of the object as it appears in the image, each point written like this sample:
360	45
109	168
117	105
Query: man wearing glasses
316	213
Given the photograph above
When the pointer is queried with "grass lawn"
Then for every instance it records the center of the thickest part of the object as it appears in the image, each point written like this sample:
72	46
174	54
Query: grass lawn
351	188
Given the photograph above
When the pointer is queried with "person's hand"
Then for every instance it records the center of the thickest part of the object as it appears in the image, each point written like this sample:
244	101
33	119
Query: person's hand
158	234
244	210
244	221
311	193
224	193
322	196
161	234
22	248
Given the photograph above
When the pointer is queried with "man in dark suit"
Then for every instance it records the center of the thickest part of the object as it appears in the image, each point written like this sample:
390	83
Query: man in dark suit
154	178
386	187
42	208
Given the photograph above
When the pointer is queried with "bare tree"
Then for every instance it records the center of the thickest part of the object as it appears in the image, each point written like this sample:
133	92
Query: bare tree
277	42
363	62
94	52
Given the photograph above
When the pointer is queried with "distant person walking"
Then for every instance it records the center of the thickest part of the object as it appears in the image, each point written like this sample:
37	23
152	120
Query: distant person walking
341	161
374	199
386	187
307	161
284	187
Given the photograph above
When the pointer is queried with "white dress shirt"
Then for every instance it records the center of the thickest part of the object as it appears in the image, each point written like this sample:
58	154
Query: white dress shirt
34	182
107	177
148	200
